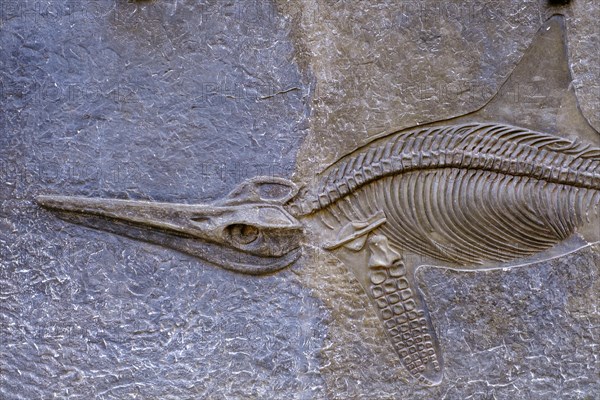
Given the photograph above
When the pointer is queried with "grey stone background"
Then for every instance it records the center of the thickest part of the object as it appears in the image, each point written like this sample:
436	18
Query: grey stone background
180	100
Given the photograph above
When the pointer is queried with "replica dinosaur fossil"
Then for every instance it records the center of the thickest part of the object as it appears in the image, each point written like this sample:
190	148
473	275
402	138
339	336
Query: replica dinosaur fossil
470	193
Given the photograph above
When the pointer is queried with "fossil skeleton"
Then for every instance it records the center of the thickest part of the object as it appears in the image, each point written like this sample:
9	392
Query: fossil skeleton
463	194
465	197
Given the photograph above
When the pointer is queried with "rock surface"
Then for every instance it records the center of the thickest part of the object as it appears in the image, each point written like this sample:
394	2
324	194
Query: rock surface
179	101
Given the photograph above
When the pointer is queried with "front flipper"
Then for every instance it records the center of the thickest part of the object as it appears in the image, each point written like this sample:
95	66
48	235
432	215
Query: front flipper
400	305
390	285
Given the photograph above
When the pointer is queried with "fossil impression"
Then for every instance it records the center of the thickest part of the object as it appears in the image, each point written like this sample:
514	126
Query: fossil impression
473	196
497	188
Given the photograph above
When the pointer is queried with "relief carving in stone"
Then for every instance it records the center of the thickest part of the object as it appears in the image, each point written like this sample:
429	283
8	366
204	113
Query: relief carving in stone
471	193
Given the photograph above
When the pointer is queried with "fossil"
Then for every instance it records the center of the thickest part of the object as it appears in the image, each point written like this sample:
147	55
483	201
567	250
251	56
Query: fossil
473	192
466	197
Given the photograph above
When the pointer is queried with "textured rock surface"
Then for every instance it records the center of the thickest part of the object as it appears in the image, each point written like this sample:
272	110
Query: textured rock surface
180	101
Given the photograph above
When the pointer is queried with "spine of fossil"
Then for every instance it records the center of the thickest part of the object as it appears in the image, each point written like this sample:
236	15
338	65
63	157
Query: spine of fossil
489	147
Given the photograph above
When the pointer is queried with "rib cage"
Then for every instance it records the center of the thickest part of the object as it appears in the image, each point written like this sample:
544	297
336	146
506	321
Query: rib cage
467	217
488	147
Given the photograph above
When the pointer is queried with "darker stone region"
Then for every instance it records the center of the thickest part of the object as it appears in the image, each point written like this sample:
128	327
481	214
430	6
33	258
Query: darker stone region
161	100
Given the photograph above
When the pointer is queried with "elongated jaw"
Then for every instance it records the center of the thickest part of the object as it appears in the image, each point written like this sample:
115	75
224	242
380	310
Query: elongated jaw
252	235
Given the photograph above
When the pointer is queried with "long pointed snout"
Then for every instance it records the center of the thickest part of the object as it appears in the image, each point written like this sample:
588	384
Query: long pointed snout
178	218
249	238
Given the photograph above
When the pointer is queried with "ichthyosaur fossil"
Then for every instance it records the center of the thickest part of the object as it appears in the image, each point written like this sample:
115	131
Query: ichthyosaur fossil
513	183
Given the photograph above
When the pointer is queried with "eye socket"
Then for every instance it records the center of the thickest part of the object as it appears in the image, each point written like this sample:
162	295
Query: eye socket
242	233
275	191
